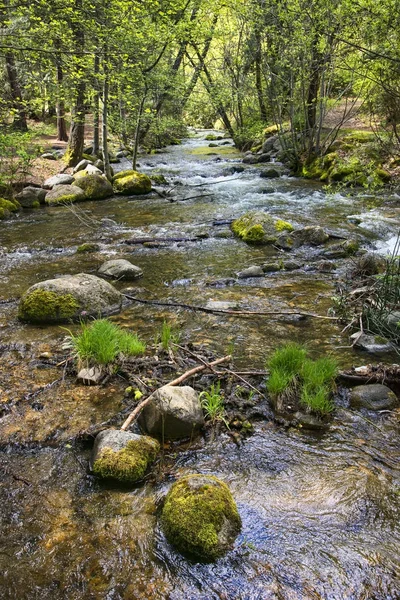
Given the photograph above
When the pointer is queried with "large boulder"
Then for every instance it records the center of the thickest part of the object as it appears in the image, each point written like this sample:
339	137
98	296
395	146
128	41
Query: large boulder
120	269
96	187
69	297
131	183
61	179
200	517
31	197
7	207
65	194
123	456
173	413
268	145
374	396
313	235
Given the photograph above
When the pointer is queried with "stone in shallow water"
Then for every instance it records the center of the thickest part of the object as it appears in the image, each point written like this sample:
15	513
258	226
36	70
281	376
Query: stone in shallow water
221	305
374	397
123	456
200	516
120	269
371	343
251	272
173	412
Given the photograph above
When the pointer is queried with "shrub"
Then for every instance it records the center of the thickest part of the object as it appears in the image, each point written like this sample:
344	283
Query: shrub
296	377
102	342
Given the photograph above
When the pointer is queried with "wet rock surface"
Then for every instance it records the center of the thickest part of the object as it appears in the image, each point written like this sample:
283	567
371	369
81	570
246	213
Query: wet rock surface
374	397
120	269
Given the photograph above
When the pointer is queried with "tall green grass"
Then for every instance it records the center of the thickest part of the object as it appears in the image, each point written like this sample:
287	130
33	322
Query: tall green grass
102	342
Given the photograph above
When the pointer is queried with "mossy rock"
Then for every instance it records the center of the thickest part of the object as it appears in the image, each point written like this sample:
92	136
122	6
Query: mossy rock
71	297
7	207
123	456
65	194
256	227
383	175
87	248
131	183
211	137
159	179
95	187
200	517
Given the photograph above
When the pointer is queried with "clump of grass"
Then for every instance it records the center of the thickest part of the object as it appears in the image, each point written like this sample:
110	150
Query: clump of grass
212	403
294	376
168	336
102	342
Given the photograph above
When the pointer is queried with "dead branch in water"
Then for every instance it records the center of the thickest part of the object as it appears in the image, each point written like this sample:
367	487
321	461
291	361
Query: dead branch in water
231	313
174	382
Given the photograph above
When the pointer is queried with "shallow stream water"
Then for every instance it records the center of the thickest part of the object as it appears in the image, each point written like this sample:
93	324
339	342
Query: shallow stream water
320	512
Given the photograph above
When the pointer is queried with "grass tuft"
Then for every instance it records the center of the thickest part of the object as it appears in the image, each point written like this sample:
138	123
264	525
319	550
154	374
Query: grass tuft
212	403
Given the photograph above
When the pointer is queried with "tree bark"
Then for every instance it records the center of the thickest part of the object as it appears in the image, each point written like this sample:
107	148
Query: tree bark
77	131
106	157
96	109
19	123
260	96
62	135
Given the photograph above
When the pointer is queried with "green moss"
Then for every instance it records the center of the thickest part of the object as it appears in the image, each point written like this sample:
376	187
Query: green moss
41	306
86	248
36	204
95	187
383	175
211	137
195	511
132	183
159	179
254	228
7	207
359	137
129	464
283	226
89	157
204	151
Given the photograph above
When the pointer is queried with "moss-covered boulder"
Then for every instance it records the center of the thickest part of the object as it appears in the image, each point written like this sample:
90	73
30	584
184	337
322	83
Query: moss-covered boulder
31	197
71	297
257	227
65	194
131	183
87	248
200	517
123	456
7	207
95	187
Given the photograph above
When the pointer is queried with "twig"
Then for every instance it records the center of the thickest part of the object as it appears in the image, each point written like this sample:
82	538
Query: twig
245	381
231	313
174	382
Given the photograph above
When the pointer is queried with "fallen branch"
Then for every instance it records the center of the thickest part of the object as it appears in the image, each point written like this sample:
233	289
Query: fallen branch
147	240
174	382
231	313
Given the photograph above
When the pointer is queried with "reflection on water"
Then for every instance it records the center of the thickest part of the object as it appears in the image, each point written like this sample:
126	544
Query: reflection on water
320	513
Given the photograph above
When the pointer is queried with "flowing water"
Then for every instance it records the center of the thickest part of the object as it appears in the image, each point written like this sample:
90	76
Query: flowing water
320	512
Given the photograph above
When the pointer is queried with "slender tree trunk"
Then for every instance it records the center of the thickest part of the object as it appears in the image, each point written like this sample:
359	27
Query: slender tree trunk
17	102
122	114
260	95
62	135
77	131
106	157
137	131
96	109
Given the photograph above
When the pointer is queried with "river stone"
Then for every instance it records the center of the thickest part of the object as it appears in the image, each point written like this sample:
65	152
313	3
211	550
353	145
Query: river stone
313	235
251	272
221	305
69	297
371	343
49	156
120	269
374	397
269	143
31	197
61	179
81	165
65	194
123	456
90	376
173	413
271	267
264	157
200	517
131	183
250	159
96	187
270	173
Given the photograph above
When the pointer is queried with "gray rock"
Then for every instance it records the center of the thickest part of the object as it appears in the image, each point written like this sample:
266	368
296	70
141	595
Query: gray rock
251	272
250	159
49	156
93	170
61	179
313	235
96	187
64	194
173	412
99	164
269	143
69	297
270	173
291	265
264	158
122	154
374	397
120	269
371	343
271	267
30	196
221	305
80	166
284	241
122	456
234	169
90	376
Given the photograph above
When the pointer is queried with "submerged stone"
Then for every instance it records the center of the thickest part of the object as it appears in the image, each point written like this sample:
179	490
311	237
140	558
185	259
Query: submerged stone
69	297
120	269
374	396
251	272
200	517
123	456
173	413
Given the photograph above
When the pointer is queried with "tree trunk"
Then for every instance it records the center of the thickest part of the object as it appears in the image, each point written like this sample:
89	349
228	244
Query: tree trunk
19	123
137	131
77	131
96	109
260	96
62	135
106	157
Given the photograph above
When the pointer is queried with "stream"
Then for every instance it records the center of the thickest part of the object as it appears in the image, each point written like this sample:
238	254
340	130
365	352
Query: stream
320	511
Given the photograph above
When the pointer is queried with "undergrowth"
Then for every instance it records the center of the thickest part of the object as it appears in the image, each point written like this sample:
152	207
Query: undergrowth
212	403
301	379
